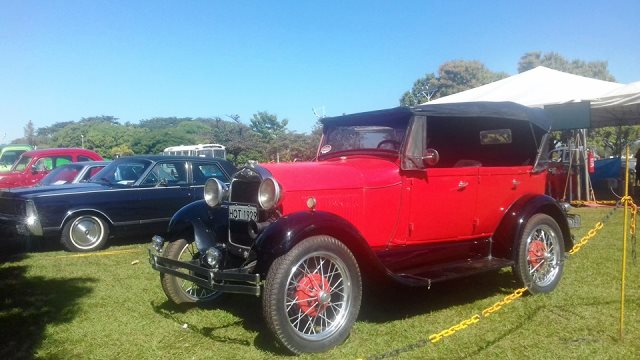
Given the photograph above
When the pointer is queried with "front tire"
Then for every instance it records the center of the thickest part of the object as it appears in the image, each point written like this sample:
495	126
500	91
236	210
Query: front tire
312	295
180	291
540	258
85	233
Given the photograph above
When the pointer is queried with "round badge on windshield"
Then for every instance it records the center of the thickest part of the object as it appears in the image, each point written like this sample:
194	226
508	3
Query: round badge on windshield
325	149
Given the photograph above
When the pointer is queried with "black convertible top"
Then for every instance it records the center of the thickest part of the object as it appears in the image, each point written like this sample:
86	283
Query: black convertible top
480	109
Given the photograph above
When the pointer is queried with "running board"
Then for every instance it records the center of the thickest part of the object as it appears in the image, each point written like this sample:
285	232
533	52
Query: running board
428	275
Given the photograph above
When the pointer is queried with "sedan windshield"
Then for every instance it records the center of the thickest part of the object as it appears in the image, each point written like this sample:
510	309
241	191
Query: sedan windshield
61	175
122	172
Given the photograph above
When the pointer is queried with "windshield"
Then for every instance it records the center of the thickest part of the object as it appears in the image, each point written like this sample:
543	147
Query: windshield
362	137
21	164
61	175
122	172
10	156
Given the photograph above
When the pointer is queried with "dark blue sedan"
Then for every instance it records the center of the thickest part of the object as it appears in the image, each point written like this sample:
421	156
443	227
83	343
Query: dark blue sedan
131	194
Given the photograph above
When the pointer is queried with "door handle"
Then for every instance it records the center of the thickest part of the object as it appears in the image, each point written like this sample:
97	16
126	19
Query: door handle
463	184
515	183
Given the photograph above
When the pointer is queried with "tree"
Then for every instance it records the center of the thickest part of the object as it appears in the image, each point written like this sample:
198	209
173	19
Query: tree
453	77
611	141
422	91
267	125
553	60
460	75
29	133
270	129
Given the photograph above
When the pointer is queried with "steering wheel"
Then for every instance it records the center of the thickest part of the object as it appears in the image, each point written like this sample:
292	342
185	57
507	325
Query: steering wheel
394	143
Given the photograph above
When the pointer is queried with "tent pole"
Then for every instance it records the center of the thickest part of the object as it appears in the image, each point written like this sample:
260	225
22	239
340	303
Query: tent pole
577	172
587	184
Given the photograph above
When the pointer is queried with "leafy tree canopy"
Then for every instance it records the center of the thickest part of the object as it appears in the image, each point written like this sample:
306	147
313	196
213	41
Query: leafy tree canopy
594	69
453	76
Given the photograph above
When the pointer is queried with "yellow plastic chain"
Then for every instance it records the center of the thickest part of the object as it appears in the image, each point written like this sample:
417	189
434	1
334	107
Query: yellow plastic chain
585	239
599	202
628	200
450	331
475	318
497	306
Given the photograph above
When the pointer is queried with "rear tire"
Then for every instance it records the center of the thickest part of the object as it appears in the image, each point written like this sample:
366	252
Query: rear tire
540	257
85	233
180	291
312	295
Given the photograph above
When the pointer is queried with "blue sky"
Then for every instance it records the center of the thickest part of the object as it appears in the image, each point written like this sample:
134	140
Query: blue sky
64	60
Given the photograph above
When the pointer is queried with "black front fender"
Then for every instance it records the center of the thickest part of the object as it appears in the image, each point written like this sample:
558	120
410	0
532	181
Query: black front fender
282	235
515	219
207	223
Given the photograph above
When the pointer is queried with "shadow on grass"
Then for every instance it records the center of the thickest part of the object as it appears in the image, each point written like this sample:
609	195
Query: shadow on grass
378	306
246	308
29	304
391	303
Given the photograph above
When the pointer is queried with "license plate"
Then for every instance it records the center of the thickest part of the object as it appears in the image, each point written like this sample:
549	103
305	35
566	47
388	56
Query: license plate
243	213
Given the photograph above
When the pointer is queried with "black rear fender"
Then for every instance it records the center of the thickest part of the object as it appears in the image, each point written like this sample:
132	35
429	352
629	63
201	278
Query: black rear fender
508	233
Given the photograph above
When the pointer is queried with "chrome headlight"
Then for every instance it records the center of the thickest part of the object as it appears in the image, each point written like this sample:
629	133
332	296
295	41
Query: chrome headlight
32	219
269	193
215	192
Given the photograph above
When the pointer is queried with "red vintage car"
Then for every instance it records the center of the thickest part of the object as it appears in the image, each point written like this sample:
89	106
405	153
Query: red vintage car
34	165
413	195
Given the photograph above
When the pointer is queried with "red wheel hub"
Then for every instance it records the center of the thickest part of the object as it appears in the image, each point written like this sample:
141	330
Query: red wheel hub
536	252
313	294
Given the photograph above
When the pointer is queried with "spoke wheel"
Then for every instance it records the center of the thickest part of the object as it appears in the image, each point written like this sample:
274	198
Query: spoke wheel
85	233
312	295
181	291
540	255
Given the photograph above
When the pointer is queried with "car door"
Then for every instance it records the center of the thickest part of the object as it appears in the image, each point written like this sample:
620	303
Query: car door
163	191
442	204
442	196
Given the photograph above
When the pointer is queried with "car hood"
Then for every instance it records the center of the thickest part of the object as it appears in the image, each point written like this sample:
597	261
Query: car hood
340	173
10	178
28	192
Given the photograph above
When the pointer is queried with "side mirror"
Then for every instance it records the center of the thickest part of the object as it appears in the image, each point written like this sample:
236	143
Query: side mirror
430	157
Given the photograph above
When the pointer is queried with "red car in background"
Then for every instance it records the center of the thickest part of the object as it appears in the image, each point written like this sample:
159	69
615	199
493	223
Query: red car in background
35	164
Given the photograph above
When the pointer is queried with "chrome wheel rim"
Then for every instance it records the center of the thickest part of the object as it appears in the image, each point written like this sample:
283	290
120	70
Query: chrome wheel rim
318	296
192	290
86	232
543	255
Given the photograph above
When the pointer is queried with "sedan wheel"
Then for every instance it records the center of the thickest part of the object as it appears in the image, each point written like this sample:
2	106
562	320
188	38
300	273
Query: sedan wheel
85	233
312	295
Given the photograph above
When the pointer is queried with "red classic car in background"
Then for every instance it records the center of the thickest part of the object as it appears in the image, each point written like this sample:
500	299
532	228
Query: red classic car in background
414	195
33	165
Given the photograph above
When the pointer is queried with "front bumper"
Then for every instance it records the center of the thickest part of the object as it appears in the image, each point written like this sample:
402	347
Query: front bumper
226	281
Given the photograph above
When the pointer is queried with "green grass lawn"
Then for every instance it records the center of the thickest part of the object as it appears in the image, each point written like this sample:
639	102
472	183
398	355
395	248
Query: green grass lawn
106	306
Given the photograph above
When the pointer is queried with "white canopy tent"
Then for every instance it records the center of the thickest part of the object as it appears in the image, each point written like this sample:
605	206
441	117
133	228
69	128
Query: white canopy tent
542	86
536	87
620	106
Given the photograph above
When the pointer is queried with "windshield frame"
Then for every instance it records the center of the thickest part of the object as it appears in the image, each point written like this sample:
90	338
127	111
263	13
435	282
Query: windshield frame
364	133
